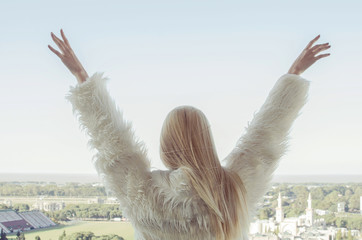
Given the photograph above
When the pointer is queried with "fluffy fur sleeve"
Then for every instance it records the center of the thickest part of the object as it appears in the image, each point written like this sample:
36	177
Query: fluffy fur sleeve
256	154
120	159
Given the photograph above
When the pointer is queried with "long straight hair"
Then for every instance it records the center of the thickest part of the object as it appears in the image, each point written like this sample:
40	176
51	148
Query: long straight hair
187	143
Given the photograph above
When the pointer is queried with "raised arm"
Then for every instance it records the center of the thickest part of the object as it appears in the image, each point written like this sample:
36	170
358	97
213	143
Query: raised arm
256	154
119	159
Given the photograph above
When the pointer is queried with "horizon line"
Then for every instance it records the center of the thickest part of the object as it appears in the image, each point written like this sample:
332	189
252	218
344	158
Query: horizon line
278	174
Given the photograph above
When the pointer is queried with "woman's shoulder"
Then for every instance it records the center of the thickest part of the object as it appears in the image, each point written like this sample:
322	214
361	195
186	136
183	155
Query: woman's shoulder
174	180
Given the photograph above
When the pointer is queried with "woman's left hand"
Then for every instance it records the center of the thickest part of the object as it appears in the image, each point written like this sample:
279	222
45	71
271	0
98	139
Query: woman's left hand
308	57
68	57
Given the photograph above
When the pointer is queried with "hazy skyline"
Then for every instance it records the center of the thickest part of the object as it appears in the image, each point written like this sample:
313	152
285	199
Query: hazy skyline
222	57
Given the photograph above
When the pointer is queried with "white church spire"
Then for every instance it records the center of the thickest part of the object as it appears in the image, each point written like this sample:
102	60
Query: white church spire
280	201
310	201
309	212
279	215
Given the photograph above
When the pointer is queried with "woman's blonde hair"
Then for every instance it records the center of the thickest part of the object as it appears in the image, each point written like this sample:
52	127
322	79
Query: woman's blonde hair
187	143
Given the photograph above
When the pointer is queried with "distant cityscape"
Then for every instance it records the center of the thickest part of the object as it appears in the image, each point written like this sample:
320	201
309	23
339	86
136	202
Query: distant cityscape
305	226
286	211
62	178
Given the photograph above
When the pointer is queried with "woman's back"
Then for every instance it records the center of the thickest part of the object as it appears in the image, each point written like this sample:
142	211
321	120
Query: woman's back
171	210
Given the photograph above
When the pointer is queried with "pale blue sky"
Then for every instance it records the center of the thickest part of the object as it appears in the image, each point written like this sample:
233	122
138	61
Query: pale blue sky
220	56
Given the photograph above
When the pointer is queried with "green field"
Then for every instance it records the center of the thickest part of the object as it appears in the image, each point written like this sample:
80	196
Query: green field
123	229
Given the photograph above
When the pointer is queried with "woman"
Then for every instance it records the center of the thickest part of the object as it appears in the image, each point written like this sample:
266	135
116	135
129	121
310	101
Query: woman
196	198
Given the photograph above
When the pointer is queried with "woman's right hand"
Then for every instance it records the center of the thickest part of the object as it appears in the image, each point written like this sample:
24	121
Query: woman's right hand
308	57
68	57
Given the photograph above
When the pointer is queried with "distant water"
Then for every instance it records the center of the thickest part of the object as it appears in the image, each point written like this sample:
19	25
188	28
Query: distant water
93	178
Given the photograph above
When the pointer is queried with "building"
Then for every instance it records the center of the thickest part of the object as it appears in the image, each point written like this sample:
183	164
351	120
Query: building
112	200
262	226
309	212
279	214
321	212
305	226
341	207
10	222
48	206
37	219
53	206
96	200
285	226
8	202
264	237
289	225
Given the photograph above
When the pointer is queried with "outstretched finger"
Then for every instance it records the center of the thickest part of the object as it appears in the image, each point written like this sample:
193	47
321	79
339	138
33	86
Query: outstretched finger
59	42
318	46
320	50
316	49
56	52
322	56
64	38
310	44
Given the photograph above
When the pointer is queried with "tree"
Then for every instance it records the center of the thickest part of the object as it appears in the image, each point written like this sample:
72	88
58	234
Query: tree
263	214
3	206
341	222
317	193
276	231
330	219
3	235
81	236
339	235
63	236
90	236
21	207
354	202
108	237
350	235
22	236
301	191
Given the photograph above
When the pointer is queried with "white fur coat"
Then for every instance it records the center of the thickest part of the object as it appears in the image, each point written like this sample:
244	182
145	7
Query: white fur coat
161	204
